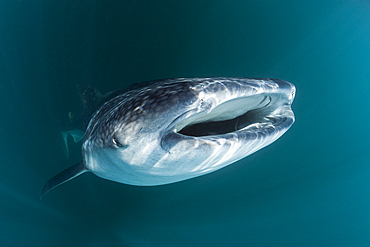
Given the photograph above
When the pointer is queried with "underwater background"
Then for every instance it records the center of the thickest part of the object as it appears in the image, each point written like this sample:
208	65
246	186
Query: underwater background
309	188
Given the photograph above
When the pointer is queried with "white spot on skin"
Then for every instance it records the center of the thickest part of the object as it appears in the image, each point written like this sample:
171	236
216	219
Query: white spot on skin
140	109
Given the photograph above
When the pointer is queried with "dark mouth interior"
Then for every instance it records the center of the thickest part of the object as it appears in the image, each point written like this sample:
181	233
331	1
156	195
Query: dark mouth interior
226	126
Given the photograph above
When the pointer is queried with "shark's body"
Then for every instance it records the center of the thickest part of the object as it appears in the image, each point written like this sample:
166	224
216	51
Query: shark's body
170	130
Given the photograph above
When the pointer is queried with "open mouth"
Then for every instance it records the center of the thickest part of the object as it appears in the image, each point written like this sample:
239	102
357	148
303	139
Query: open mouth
252	113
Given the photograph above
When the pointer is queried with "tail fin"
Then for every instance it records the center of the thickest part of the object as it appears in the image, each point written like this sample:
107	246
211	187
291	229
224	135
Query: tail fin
63	177
76	134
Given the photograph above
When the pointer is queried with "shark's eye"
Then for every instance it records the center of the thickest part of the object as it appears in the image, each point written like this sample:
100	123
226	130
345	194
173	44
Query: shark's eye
116	142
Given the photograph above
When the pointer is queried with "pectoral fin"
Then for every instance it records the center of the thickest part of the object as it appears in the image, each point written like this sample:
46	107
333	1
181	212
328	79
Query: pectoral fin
63	177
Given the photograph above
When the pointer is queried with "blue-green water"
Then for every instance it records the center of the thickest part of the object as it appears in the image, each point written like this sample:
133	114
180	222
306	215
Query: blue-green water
309	188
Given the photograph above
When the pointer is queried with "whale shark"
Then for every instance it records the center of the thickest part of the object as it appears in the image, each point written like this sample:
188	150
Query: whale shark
165	131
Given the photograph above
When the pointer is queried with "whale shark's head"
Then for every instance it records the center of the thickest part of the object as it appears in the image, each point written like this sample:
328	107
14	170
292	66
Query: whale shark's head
175	129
